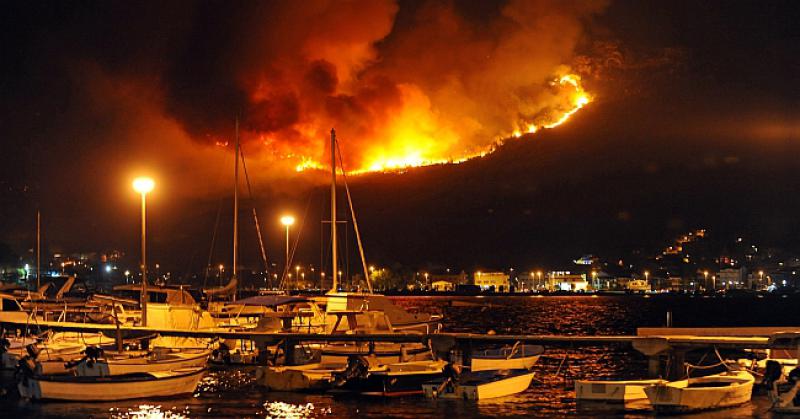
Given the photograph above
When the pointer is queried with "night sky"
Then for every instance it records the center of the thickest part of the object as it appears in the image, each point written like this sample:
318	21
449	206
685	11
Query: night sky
694	123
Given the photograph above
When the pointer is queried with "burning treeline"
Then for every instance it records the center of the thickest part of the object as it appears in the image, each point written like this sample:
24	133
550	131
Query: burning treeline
405	85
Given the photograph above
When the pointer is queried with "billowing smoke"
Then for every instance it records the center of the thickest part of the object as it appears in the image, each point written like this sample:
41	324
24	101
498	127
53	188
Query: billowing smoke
425	82
157	87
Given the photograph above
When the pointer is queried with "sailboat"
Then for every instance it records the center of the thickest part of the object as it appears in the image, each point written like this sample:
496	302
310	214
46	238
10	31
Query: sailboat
400	319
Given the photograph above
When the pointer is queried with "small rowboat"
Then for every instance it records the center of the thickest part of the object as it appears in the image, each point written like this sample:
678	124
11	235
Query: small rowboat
702	393
613	391
507	358
120	387
480	385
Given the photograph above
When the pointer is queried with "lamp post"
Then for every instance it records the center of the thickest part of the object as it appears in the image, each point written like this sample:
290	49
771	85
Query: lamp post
287	221
647	278
144	185
705	279
594	280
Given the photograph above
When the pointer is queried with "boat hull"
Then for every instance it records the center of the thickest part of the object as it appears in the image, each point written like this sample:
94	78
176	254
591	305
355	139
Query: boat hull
613	391
517	358
403	379
481	386
173	361
704	393
111	388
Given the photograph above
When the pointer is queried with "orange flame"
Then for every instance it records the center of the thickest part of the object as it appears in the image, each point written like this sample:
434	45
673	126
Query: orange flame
416	137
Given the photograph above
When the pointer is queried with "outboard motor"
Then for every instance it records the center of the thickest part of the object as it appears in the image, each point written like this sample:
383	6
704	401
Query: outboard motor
794	379
4	345
222	353
357	367
33	351
772	373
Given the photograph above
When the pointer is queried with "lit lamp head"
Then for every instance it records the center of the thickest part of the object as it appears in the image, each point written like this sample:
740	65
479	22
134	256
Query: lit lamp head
287	220
143	185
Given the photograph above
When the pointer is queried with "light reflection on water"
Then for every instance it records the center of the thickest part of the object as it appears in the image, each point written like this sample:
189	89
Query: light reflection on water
233	393
146	411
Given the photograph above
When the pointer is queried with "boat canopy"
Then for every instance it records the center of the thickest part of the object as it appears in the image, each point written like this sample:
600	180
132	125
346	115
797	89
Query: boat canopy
270	300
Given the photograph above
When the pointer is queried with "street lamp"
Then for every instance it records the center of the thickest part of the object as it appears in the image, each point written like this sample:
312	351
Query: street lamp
287	221
647	278
144	185
594	280
705	278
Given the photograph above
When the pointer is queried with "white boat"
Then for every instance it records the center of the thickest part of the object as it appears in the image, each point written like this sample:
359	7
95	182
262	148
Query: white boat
507	358
702	393
613	391
480	385
122	387
155	362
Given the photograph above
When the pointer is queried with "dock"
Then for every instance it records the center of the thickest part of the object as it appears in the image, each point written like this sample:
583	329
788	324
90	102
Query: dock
662	346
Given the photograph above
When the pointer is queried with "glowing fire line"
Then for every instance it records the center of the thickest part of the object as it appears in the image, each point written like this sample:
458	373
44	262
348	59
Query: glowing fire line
578	98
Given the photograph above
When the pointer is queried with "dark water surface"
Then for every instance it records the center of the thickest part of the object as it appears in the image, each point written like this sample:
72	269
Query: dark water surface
232	393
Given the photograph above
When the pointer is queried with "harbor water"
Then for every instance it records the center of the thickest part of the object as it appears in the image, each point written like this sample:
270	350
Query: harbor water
232	393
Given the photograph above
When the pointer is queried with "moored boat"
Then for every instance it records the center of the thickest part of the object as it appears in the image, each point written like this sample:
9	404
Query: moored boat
480	385
121	387
702	393
507	358
392	380
154	362
613	391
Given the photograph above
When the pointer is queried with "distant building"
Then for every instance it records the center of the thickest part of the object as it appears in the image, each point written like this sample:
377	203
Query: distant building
567	281
634	285
531	281
443	286
488	280
733	278
454	278
675	283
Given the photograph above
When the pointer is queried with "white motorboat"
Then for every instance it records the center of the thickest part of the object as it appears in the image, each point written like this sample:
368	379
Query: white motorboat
480	385
613	391
154	362
702	393
507	358
121	387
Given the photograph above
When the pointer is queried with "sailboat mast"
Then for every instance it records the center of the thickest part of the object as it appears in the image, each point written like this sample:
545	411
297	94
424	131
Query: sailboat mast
38	249
334	263
236	210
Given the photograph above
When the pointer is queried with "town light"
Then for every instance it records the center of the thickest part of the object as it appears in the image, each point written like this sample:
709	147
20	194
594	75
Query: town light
287	221
143	185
